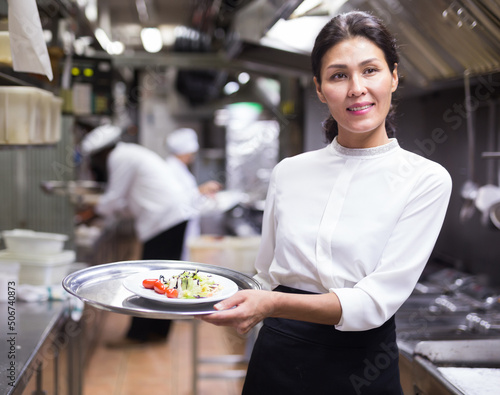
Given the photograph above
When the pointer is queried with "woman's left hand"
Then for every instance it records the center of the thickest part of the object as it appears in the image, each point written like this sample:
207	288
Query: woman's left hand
243	310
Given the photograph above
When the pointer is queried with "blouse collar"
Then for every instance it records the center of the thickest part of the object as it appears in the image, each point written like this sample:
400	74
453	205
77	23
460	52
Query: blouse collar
365	152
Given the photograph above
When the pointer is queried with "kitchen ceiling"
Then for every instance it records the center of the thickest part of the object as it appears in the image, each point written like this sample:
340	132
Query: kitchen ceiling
440	40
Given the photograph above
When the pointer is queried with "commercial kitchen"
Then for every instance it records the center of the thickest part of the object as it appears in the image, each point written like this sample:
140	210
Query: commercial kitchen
238	73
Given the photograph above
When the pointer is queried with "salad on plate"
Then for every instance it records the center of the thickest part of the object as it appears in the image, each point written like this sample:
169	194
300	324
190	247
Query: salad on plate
185	285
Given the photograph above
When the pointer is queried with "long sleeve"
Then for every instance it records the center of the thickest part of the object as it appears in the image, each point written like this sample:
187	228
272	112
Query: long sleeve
121	173
377	296
361	223
265	254
140	184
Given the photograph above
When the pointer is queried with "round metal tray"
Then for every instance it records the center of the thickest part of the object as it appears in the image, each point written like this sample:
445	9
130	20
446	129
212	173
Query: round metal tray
101	286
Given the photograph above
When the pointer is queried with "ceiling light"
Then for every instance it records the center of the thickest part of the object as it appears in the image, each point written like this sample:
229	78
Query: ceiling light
295	35
167	34
91	10
305	7
116	48
231	87
243	78
111	47
151	39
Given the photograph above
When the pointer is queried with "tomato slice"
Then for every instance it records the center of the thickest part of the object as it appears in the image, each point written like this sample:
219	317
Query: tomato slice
159	287
149	283
171	293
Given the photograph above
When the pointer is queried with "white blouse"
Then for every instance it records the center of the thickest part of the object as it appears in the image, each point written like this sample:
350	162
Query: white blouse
358	222
139	184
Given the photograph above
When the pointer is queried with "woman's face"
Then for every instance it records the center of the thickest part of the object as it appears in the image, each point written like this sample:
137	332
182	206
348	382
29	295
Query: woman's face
357	85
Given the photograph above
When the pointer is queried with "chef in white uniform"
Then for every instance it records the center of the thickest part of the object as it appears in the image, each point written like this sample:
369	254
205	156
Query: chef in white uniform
137	183
182	145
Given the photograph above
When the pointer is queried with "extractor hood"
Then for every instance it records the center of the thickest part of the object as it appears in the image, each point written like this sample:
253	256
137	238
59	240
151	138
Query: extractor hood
442	39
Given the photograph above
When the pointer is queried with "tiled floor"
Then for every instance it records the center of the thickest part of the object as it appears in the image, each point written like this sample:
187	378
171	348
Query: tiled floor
165	368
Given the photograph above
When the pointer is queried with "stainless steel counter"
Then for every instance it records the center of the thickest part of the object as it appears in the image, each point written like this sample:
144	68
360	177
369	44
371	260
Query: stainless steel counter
449	340
40	352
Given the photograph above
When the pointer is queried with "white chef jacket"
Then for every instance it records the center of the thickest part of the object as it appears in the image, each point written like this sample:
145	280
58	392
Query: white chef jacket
138	184
192	195
358	222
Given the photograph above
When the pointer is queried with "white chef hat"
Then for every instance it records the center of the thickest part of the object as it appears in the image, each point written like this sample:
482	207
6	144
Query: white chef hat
99	138
182	141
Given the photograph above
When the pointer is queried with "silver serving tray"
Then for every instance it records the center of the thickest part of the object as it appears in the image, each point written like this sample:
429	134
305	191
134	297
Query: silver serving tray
101	286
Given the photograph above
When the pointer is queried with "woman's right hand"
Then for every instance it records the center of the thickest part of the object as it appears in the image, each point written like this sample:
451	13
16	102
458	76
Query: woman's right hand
243	310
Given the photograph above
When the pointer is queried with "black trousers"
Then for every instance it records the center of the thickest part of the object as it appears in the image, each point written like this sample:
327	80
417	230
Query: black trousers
167	245
296	357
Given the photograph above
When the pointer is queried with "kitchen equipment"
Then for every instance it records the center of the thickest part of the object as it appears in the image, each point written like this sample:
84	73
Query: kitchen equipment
69	188
23	240
470	188
49	269
81	193
5	54
222	201
18	106
495	214
102	286
487	195
468	193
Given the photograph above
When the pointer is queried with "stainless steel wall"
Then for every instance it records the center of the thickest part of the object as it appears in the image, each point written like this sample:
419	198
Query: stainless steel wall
435	125
22	169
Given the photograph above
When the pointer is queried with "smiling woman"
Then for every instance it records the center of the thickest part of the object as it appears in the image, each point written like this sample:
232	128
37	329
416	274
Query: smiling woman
342	225
376	54
357	84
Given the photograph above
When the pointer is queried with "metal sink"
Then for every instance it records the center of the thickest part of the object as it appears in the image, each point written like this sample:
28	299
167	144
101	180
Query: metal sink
443	317
473	353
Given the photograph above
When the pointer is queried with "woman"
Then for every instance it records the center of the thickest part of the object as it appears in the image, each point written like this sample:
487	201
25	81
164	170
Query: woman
347	232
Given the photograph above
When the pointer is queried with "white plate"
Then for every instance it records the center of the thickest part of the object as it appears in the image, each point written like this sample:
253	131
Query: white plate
134	284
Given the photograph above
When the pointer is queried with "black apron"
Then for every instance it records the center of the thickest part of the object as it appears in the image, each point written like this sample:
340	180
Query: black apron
296	357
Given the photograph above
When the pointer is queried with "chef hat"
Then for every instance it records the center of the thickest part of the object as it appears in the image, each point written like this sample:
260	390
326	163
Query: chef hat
99	138
182	141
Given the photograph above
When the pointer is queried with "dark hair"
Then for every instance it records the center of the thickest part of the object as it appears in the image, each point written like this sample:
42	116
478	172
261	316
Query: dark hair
350	25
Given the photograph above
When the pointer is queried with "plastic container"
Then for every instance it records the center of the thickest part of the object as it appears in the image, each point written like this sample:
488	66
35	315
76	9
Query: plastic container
9	277
5	53
25	114
41	269
19	106
55	120
3	119
43	114
23	240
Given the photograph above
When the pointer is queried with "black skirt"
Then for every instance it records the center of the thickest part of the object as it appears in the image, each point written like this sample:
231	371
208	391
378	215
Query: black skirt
297	357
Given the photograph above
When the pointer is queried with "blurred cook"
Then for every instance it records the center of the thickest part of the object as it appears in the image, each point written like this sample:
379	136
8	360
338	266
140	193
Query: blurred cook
137	184
182	145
